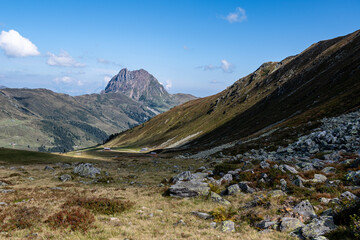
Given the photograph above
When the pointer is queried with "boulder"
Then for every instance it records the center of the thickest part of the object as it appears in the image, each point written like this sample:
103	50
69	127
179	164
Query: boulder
265	224
287	168
264	164
189	189
228	226
202	215
48	168
184	176
319	178
305	209
289	224
86	170
298	182
65	177
328	170
318	227
353	176
349	196
245	187
233	189
217	198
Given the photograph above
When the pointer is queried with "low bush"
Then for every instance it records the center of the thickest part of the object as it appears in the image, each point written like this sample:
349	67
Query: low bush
19	218
75	218
100	205
222	214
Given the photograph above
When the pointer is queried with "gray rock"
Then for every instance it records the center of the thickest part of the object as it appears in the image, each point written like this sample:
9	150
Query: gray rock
184	176
324	200
264	164
265	224
328	212
3	183
65	177
305	209
298	182
7	190
217	198
328	170
283	185
48	168
245	187
180	222
202	215
319	178
353	176
289	224
213	224
86	170
318	227
189	189
227	178
275	194
348	195
233	189
287	168
228	226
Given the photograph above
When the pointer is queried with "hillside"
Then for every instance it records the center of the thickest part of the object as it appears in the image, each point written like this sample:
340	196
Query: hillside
321	81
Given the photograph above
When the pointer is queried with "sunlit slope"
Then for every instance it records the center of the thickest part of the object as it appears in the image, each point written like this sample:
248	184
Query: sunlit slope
325	74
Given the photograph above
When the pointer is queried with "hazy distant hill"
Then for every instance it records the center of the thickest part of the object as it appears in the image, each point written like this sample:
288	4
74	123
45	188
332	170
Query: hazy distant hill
286	96
40	119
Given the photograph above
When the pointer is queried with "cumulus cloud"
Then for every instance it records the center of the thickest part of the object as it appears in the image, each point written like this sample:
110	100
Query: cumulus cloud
168	85
238	16
107	62
16	45
68	81
63	60
107	78
225	66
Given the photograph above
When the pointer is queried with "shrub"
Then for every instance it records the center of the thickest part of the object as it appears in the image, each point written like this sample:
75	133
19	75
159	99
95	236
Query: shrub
222	214
100	205
75	218
215	188
355	225
20	218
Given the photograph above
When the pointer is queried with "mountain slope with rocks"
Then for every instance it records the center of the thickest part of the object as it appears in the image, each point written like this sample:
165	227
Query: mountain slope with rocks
276	103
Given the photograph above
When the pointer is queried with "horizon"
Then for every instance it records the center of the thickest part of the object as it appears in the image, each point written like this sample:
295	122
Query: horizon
190	47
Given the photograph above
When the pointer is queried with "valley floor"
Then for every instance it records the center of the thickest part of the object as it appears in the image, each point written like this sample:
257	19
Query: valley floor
31	193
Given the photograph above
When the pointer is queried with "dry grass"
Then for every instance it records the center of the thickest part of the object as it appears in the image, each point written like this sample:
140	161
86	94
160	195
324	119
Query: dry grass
152	216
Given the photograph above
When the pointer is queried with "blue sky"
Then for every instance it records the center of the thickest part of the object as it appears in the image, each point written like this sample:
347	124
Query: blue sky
197	47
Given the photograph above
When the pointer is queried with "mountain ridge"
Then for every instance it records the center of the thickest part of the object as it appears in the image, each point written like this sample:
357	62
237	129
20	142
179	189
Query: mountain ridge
239	111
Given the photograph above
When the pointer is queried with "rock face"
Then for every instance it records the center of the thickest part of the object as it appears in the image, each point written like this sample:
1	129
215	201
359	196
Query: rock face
144	87
86	170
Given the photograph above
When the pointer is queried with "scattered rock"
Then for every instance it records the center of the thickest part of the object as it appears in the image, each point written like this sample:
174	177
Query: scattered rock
289	224
233	189
328	170
180	222
48	168
189	189
287	168
245	187
202	215
217	198
265	224
65	177
305	209
86	170
318	227
348	195
319	178
228	226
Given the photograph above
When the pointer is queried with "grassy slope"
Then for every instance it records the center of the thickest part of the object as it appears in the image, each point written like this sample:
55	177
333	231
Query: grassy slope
38	117
325	73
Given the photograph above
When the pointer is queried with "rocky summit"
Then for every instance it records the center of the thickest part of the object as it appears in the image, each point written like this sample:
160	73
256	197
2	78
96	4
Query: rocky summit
144	87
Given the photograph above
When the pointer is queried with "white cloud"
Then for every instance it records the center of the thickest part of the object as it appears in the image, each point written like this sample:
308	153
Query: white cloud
238	16
107	78
225	66
16	45
65	79
63	60
107	62
168	84
80	83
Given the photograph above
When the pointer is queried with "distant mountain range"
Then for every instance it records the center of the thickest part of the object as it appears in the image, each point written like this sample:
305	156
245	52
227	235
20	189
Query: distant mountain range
276	103
39	119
